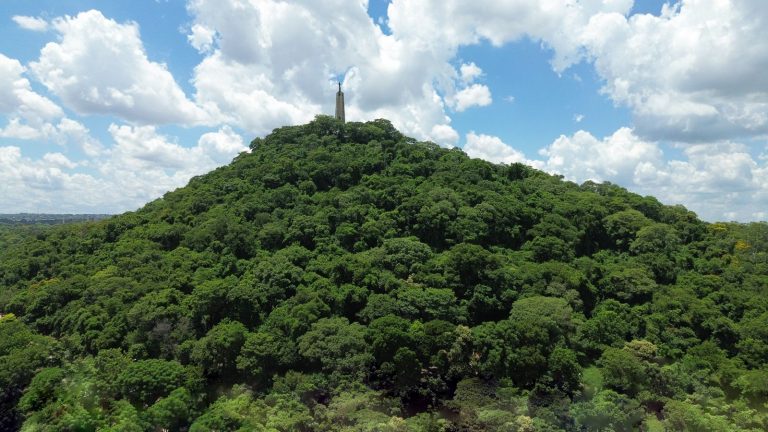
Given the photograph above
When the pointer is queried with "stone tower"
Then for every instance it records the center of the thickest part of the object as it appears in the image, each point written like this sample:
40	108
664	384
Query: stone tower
340	104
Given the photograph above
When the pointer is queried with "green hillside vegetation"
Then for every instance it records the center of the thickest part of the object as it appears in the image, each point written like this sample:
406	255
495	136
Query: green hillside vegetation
344	277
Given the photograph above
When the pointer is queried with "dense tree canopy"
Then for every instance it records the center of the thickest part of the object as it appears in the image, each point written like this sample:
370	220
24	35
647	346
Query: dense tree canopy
344	277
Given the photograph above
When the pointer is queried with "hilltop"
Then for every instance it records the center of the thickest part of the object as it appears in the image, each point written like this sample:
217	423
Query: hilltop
345	277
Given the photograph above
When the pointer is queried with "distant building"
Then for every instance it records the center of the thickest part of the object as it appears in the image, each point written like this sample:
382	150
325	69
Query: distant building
340	104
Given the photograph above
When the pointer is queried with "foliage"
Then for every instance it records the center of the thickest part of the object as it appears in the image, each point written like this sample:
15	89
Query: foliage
344	277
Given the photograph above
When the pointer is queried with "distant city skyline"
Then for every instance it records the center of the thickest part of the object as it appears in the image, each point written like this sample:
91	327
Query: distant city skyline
105	106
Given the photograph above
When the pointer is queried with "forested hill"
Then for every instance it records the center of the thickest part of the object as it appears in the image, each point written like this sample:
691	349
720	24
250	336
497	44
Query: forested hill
344	277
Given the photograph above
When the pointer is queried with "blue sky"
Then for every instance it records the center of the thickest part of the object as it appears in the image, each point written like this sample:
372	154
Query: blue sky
107	105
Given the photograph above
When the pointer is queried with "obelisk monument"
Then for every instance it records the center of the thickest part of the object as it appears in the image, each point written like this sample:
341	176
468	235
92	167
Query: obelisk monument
340	104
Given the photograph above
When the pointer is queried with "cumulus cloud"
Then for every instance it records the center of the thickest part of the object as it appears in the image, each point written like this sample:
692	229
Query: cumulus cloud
444	135
30	23
694	73
139	166
100	67
273	57
222	145
447	24
201	38
58	160
492	149
142	150
269	61
32	116
583	157
17	97
44	185
148	164
719	181
71	131
470	72
662	67
474	95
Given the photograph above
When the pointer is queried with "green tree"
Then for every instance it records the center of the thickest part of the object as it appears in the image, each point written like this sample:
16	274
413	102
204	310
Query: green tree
387	335
351	277
172	412
337	346
627	284
264	354
622	227
564	369
217	351
608	410
144	381
42	389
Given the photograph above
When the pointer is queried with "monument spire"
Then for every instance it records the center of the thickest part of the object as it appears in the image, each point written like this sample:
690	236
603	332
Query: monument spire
340	104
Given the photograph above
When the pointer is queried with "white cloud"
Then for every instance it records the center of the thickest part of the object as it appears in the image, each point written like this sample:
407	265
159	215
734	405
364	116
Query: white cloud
583	157
719	181
16	129
446	24
492	149
267	64
236	94
474	95
32	116
222	145
141	165
444	135
58	160
10	83
144	164
100	67
662	67
17	97
695	73
470	72
578	118
43	185
269	61
31	23
71	131
201	38
143	149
